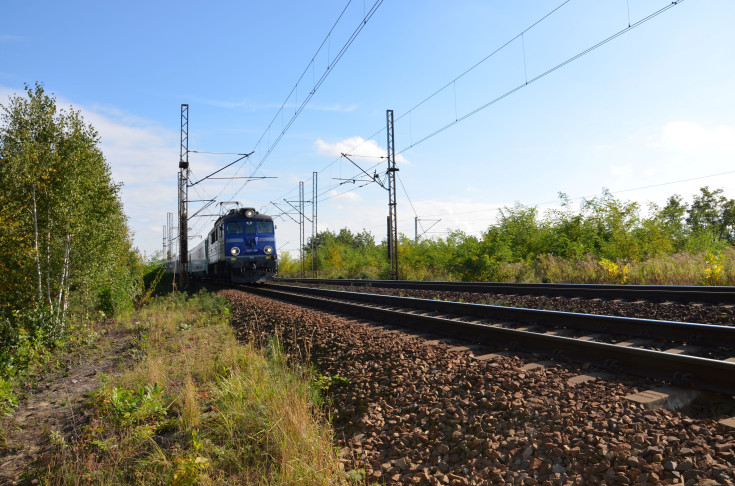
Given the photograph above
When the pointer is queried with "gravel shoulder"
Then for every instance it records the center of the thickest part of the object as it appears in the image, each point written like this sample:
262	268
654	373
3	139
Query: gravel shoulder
408	411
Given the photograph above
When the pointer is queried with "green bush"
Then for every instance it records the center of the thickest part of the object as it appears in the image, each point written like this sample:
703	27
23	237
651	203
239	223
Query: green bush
126	408
605	241
26	336
8	400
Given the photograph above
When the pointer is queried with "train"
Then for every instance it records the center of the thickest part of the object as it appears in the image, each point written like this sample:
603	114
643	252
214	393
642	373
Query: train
240	248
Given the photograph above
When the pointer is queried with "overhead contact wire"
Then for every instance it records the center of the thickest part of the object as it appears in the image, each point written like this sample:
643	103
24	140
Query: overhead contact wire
546	73
319	82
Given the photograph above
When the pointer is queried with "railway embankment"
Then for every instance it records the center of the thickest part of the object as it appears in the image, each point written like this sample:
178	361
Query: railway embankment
414	410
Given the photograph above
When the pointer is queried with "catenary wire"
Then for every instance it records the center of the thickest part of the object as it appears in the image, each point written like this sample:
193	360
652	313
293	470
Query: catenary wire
544	74
316	86
551	12
492	54
314	89
538	77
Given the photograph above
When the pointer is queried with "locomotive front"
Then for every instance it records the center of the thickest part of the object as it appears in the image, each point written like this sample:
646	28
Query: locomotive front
249	245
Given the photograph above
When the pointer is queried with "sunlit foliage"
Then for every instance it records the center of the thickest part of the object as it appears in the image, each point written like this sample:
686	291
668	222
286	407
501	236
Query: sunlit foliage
604	240
64	240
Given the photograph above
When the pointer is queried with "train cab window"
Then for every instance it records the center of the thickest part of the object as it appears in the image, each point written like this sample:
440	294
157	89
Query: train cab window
213	236
265	226
234	228
249	228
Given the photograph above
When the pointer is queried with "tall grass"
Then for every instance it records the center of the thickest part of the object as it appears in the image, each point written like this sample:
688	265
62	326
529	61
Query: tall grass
677	269
199	408
683	268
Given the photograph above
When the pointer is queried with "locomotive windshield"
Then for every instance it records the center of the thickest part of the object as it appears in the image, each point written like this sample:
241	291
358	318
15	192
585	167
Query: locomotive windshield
265	226
249	227
235	228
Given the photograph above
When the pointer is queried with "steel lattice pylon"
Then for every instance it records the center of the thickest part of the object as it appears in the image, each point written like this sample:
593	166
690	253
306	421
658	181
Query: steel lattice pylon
314	229
184	197
392	204
170	223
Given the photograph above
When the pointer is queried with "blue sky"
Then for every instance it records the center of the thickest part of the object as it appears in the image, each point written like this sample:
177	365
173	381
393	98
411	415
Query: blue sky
650	108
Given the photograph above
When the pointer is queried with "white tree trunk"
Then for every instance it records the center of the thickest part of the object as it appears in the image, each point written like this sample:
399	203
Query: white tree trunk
63	290
67	284
35	243
48	263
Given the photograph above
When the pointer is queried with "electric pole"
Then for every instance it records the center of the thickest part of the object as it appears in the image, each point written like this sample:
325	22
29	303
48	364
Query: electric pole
392	204
314	197
302	225
170	223
416	226
183	197
302	229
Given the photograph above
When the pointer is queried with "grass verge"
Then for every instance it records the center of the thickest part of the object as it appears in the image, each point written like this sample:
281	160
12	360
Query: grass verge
200	408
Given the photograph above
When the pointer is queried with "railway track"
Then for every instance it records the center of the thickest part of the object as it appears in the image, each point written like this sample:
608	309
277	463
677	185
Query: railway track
660	293
564	336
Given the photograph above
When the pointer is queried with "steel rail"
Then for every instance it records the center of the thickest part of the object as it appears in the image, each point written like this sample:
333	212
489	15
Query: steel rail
683	370
687	332
673	293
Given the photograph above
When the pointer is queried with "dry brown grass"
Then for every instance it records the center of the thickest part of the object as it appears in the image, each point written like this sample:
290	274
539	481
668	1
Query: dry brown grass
219	413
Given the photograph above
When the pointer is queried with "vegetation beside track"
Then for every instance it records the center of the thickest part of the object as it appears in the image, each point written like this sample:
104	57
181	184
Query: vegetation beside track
66	254
197	407
606	240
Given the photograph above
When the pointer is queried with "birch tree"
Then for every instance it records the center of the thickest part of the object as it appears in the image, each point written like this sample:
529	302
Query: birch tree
62	226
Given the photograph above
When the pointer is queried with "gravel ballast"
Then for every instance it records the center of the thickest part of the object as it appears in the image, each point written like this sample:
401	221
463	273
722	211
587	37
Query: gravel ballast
408	411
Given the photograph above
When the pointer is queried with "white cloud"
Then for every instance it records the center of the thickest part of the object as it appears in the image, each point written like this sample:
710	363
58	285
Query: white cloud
142	156
357	148
621	170
344	196
6	93
690	137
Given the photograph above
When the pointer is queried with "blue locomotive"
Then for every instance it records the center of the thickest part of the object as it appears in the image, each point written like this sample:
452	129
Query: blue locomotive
240	248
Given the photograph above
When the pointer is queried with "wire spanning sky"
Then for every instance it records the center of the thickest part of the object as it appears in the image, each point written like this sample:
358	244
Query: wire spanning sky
647	115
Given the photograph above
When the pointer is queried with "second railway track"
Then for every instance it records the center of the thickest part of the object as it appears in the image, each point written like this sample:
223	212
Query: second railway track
657	293
496	327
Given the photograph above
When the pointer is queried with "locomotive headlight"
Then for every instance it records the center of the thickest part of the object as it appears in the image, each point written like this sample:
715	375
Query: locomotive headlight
249	213
268	250
235	251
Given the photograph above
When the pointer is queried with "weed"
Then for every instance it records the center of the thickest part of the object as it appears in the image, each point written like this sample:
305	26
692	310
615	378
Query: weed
57	439
198	408
133	407
326	383
8	399
356	475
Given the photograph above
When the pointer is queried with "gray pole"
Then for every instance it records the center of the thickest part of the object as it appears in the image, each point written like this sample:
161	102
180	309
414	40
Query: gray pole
314	229
301	226
170	222
392	204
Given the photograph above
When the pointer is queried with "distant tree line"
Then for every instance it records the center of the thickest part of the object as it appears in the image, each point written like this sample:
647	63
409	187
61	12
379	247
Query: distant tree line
605	239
